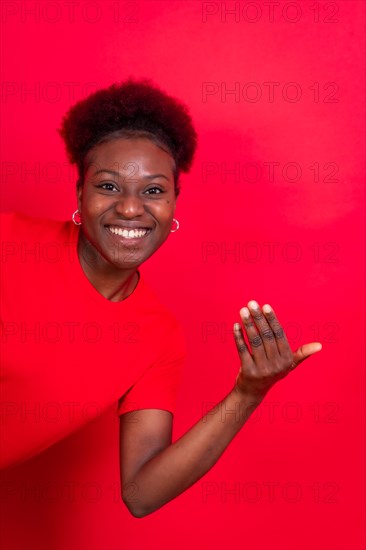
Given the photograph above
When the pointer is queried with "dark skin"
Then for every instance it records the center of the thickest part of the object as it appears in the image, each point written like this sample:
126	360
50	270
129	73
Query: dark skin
153	469
129	183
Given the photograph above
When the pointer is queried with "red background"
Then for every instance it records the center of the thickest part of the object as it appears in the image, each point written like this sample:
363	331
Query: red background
306	441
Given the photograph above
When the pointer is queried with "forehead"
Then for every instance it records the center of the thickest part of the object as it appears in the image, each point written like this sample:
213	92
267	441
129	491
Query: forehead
122	154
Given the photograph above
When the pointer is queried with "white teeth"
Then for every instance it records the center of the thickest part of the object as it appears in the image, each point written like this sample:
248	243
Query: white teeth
132	234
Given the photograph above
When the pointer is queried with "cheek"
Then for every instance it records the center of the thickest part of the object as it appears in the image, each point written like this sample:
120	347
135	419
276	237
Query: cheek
93	206
165	212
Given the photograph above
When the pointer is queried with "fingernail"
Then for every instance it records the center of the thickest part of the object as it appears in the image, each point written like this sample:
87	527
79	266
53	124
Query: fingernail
245	312
267	308
253	304
236	326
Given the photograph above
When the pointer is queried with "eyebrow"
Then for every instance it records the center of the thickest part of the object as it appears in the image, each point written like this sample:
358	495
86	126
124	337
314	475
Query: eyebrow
117	174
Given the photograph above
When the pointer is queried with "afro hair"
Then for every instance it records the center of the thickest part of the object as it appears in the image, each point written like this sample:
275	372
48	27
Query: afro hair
137	107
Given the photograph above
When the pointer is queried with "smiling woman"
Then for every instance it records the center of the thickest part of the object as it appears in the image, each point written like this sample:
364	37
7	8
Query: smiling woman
126	214
130	142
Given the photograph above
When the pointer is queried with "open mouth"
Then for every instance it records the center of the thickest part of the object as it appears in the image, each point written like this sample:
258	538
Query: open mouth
137	233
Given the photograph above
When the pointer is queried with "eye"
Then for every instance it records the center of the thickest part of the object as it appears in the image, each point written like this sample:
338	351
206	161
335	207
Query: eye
154	191
107	186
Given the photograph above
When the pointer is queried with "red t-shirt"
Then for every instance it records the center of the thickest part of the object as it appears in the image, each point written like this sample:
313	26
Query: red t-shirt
72	362
68	353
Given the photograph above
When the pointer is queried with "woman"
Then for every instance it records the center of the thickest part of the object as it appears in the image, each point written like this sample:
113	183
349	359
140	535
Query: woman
81	326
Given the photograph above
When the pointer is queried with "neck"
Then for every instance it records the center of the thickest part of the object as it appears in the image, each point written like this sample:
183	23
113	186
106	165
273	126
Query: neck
112	283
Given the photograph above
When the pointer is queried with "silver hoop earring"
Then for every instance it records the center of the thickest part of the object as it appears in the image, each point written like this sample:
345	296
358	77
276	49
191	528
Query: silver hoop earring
76	213
176	226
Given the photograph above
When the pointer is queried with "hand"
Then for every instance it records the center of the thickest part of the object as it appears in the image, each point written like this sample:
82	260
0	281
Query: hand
271	357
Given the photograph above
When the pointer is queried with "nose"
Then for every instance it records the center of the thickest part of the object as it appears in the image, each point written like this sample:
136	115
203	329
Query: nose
129	206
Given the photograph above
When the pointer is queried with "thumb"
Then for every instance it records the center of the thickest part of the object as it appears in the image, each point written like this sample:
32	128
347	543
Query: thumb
304	351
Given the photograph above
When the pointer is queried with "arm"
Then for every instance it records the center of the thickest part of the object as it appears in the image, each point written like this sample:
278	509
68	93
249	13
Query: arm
154	471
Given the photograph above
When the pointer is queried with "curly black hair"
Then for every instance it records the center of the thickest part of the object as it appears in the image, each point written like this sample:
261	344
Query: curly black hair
133	108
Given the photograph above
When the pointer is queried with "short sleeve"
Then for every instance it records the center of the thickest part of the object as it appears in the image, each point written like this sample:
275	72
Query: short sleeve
158	386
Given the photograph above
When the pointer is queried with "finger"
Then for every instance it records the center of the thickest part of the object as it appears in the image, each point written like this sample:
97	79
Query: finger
278	332
305	351
254	338
241	344
264	329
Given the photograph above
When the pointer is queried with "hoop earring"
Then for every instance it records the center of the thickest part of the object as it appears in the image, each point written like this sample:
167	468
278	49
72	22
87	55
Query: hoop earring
73	217
176	226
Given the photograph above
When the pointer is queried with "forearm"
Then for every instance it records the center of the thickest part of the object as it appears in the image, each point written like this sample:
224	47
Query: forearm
184	462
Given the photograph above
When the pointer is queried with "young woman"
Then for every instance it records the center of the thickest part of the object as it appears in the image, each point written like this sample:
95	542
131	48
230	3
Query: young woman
80	325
